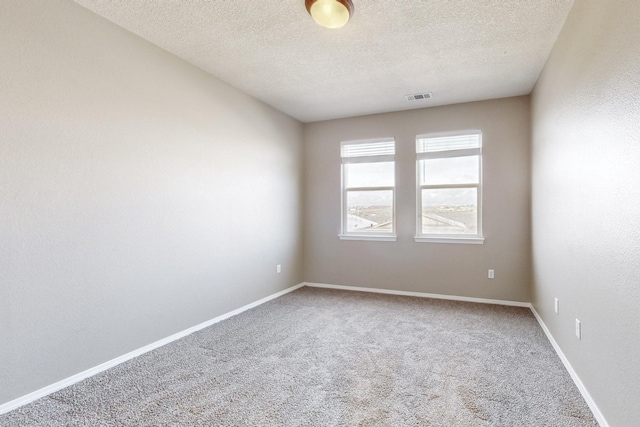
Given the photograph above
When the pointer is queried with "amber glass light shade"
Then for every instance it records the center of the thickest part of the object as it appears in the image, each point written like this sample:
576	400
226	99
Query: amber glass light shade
330	13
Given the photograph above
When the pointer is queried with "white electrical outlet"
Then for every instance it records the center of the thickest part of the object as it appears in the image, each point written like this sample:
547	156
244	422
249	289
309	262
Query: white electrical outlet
578	329
491	273
556	306
278	268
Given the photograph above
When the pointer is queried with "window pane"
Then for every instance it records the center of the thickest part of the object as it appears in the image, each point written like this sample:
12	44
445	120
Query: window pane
451	170
450	211
370	211
378	174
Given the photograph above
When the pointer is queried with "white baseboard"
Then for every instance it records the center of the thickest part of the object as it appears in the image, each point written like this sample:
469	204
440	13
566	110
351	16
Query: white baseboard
14	404
576	379
420	295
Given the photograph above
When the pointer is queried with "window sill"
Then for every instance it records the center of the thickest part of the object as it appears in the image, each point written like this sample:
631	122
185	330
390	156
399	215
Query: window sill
463	240
373	237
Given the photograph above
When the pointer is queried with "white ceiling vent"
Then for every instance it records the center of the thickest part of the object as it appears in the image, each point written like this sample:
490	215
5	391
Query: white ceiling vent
419	96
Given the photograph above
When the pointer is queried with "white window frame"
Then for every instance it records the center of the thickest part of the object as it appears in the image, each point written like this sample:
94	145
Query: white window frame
448	238
380	236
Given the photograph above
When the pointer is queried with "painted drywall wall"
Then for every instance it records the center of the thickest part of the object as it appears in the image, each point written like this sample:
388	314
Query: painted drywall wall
139	195
450	269
586	199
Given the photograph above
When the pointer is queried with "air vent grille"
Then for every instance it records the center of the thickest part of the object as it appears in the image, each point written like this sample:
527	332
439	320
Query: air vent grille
419	96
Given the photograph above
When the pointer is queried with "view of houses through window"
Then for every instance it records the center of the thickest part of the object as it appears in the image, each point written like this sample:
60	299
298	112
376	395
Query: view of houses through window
449	176
368	178
448	167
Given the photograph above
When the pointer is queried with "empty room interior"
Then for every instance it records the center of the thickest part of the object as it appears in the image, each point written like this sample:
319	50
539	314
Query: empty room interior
233	213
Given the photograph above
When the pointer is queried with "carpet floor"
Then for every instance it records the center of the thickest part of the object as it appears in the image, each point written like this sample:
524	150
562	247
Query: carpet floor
318	357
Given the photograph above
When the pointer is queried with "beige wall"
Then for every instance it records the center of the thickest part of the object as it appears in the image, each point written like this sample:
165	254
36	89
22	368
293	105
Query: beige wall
586	200
451	269
139	196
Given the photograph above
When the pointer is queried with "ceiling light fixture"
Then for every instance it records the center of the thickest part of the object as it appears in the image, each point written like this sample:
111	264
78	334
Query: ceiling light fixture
330	13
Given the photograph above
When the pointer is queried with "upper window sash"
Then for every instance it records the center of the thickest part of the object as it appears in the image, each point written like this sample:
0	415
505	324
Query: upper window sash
448	141
367	151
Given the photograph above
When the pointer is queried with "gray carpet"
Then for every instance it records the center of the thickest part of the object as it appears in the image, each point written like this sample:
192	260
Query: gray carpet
318	357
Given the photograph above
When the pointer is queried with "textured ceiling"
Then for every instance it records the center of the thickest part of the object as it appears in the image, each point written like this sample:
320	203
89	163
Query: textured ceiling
460	50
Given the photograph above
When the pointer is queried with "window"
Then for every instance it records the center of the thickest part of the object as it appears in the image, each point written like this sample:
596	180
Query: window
449	190
368	189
